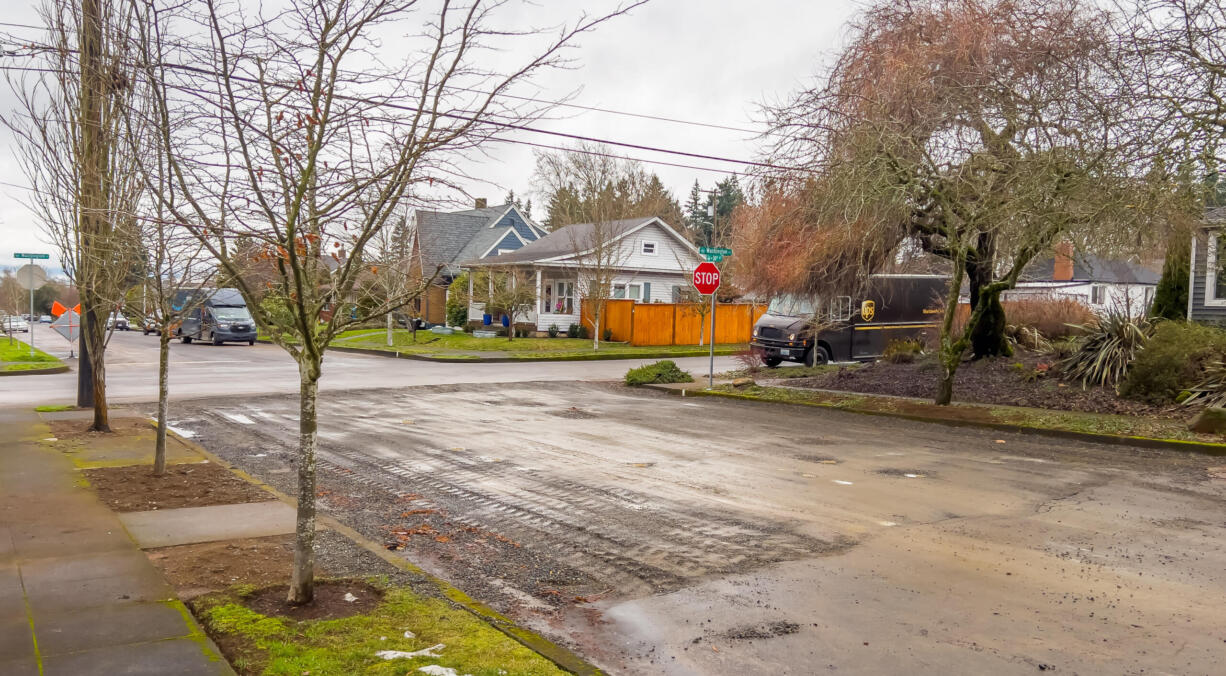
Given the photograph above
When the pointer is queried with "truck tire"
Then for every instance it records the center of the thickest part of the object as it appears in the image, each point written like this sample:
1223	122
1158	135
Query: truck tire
251	342
772	362
187	340
816	356
213	338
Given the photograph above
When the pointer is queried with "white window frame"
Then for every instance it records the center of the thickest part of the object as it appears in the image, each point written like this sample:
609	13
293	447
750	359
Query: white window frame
655	247
1211	264
560	289
625	287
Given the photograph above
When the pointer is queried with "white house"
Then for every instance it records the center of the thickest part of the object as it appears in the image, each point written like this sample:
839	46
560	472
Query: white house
1101	284
653	264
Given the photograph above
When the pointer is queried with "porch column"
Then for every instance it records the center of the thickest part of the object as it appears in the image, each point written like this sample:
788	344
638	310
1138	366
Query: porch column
538	295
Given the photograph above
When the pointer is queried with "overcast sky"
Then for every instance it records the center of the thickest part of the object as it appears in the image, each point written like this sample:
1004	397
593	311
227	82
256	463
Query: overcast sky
700	60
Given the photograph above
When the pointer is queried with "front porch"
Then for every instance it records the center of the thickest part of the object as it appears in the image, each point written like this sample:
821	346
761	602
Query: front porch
557	302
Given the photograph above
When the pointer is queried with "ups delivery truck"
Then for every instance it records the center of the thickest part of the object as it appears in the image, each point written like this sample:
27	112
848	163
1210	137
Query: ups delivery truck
852	327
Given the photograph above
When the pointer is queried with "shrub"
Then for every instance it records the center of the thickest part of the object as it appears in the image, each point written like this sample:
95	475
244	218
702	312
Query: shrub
572	331
581	332
553	330
1211	391
665	371
457	301
608	335
752	360
1054	317
1175	359
902	351
1062	349
1109	348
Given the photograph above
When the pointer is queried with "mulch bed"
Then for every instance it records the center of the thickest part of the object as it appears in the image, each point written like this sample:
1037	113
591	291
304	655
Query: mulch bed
331	601
996	381
72	430
135	489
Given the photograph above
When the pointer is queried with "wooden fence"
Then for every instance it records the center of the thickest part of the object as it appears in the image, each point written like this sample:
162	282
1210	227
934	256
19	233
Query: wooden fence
674	323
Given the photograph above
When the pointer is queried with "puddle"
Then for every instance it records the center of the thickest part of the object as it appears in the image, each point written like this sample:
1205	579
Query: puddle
902	473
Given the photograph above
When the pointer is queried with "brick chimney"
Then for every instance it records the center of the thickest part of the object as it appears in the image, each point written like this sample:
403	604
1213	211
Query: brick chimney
481	202
1063	269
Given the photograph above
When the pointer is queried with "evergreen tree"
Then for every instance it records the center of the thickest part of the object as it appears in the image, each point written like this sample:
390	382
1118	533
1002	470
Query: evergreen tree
695	213
1171	296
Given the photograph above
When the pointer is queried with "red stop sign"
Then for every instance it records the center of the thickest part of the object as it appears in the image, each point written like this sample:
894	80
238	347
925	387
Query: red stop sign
706	278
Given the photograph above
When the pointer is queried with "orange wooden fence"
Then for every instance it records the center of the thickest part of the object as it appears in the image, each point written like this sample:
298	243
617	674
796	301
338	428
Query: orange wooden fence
674	323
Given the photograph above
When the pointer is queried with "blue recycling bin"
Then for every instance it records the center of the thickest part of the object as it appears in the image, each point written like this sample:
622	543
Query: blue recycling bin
486	320
506	322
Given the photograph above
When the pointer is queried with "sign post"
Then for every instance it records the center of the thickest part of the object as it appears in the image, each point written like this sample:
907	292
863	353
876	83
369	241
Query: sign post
31	276
706	280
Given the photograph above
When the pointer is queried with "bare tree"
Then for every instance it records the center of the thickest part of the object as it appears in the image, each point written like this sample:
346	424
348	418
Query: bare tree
69	127
288	132
978	131
511	293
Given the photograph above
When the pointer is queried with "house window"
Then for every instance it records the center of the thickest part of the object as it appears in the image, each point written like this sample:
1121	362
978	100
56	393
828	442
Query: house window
502	251
649	248
1098	294
1215	274
560	298
631	291
840	309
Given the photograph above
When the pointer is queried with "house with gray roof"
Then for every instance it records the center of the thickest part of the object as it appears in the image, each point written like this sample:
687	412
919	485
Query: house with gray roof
647	261
1207	280
441	240
1101	284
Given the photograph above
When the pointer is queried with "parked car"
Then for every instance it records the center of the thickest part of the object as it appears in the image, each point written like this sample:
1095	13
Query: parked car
892	307
14	324
151	324
117	322
45	319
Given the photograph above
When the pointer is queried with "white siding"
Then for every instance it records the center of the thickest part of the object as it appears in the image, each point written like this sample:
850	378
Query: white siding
1134	298
662	283
670	254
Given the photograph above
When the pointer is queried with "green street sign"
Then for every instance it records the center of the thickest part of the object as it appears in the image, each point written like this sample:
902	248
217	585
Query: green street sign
714	258
32	256
714	251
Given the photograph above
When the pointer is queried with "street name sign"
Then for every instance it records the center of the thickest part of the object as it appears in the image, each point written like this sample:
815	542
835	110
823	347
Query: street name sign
33	256
714	250
714	258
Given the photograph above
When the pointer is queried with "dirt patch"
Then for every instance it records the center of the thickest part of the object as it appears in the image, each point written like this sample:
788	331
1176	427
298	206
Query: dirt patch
903	473
198	569
135	489
76	430
573	413
334	599
1025	379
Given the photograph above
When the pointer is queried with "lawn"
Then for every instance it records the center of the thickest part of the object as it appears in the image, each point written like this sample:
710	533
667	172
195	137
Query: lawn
402	621
463	345
15	356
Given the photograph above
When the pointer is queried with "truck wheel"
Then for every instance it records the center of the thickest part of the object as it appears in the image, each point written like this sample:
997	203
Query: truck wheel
187	340
817	355
251	342
213	338
772	362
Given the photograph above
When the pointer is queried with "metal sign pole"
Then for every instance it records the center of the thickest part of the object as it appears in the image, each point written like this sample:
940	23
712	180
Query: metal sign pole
31	324
711	370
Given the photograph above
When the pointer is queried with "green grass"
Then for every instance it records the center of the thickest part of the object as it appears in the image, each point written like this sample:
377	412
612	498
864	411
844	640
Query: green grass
785	372
55	408
280	646
453	346
18	351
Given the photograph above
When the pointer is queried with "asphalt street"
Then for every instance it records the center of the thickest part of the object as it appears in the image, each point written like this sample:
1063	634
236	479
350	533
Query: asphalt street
241	370
667	535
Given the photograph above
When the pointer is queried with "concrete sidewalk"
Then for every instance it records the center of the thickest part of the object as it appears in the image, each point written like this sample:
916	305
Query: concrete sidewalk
77	596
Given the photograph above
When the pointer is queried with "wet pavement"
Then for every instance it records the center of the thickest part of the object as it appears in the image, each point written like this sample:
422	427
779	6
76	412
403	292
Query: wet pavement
657	534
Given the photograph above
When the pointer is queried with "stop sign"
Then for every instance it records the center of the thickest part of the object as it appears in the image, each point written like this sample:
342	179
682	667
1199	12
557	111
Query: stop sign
706	278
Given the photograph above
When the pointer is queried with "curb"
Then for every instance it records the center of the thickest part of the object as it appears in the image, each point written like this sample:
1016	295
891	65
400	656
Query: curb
596	356
1203	447
37	372
560	656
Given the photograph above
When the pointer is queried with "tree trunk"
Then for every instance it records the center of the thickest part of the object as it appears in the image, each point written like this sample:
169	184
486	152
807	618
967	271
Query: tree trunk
85	378
988	337
159	451
93	334
302	583
596	329
702	323
949	367
389	329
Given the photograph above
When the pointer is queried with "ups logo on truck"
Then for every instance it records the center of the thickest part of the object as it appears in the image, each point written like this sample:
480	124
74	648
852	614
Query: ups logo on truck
867	310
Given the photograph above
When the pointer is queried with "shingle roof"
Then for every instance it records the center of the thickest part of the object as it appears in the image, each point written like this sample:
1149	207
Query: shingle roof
1091	268
568	240
1215	215
446	238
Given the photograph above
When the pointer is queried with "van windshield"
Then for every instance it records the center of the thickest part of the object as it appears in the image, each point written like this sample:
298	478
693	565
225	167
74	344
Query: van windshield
791	306
231	313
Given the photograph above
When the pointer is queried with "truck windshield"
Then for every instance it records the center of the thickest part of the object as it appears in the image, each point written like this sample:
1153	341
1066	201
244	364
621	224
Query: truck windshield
791	306
231	313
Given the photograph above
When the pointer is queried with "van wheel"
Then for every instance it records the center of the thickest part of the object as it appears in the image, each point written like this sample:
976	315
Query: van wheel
251	342
816	356
187	340
772	362
213	338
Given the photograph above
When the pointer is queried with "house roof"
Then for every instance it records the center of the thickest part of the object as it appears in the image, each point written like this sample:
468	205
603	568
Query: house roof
1216	215
1091	268
446	238
566	241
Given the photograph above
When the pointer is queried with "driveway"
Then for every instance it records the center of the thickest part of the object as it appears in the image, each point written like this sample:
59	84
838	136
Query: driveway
241	370
657	534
